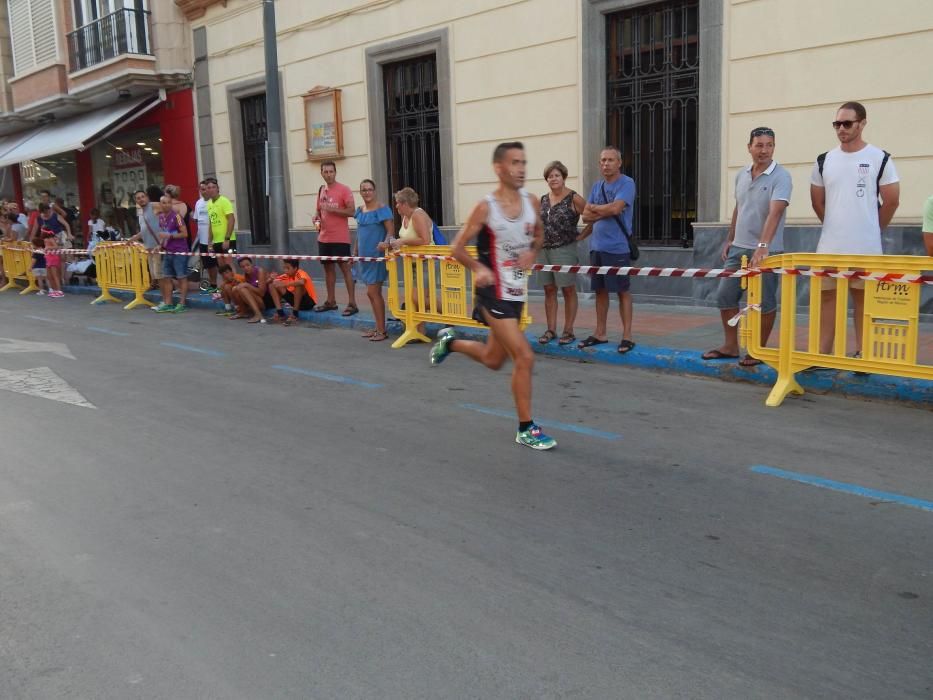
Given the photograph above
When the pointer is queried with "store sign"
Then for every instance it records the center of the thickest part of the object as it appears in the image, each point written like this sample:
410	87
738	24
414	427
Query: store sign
129	174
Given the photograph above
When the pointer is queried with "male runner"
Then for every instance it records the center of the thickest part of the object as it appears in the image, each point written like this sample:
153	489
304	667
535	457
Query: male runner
510	234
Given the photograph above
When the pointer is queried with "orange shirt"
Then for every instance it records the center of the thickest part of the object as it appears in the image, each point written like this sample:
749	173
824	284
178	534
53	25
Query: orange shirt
304	277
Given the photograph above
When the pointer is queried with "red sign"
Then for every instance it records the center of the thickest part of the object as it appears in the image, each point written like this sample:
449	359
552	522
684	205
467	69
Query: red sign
131	158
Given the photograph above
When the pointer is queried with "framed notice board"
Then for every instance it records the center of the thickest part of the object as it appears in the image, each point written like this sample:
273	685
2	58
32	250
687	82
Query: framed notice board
323	123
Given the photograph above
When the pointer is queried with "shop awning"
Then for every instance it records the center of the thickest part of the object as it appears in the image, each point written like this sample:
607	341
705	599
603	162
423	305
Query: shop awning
74	134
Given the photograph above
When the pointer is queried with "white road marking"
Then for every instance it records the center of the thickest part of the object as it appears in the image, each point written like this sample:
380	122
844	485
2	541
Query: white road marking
42	383
11	345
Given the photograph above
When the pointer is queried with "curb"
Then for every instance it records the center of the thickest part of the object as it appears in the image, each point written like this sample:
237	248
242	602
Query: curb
880	387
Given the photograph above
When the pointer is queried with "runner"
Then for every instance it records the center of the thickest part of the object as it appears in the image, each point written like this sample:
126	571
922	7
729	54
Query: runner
510	234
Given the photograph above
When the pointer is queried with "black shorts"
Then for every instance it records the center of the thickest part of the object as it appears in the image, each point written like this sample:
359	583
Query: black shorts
219	248
341	249
307	303
611	283
207	262
497	308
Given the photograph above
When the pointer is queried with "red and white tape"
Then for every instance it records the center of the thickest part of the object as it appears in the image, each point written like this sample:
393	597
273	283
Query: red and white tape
690	272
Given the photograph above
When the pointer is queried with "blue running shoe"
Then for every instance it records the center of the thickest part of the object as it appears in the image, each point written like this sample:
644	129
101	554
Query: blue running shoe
441	348
535	438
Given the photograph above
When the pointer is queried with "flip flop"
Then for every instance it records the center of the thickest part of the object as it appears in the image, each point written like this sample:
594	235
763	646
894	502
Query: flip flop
566	338
378	336
590	342
368	334
625	346
547	337
749	361
717	355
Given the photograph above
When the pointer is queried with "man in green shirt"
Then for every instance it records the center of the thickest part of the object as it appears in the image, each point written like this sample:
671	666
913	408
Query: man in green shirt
220	211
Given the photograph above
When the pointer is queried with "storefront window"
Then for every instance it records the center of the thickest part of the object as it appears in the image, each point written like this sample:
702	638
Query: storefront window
123	163
57	174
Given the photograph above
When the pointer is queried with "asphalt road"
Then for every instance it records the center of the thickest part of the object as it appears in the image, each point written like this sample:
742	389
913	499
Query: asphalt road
191	520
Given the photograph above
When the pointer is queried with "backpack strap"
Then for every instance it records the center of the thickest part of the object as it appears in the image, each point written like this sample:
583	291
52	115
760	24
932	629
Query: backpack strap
884	162
820	160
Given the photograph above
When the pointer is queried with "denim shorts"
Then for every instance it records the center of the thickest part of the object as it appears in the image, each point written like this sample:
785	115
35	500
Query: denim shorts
730	289
175	266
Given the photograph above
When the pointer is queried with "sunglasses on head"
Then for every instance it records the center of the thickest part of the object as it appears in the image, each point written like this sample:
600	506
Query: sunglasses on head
762	131
847	124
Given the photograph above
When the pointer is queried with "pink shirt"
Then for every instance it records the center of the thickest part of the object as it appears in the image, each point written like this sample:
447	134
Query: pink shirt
334	228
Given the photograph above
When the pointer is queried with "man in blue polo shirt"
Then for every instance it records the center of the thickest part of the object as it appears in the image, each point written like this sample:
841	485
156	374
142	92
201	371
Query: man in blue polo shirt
609	209
762	193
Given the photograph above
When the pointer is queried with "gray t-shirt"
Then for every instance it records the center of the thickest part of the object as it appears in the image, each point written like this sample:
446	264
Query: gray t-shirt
753	199
149	232
20	231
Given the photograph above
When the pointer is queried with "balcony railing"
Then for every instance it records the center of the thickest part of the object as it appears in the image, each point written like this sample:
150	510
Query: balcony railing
122	32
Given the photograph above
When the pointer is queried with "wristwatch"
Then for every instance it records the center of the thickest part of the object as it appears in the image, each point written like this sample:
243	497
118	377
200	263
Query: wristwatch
762	245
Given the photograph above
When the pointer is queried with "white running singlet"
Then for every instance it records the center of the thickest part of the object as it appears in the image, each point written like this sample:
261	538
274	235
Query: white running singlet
499	244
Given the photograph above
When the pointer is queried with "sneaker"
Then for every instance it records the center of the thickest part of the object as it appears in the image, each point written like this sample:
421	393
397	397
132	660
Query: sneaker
441	348
54	294
535	438
179	308
40	293
163	308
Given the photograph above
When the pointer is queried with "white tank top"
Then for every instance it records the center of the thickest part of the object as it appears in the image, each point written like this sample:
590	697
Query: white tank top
499	244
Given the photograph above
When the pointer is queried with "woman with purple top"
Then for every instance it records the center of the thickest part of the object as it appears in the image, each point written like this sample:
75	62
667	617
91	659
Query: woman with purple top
173	238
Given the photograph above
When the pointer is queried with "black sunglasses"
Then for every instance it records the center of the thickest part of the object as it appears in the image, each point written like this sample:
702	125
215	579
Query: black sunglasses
847	124
762	131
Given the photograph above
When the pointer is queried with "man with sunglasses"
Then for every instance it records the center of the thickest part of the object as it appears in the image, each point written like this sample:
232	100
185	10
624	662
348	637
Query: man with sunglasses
762	193
854	190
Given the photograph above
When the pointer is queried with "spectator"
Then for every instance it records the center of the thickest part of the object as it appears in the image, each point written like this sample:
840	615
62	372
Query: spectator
203	220
149	234
50	220
294	287
846	186
762	194
181	208
560	211
375	227
928	226
223	222
45	197
253	291
8	236
86	266
32	213
173	238
17	227
53	263
334	207
229	281
20	217
95	225
38	265
609	209
416	229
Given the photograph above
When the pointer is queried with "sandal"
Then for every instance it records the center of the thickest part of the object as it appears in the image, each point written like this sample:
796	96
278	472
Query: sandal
326	306
368	334
291	319
349	310
590	342
718	355
566	338
625	346
378	336
257	320
547	337
749	361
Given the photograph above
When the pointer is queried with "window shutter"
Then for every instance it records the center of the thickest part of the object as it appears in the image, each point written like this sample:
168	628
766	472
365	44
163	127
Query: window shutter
24	56
43	31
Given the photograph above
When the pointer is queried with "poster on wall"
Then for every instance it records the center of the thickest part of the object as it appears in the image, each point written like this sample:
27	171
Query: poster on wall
128	173
323	123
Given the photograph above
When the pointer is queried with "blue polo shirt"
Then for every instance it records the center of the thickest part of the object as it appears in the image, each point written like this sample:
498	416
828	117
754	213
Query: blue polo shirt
608	236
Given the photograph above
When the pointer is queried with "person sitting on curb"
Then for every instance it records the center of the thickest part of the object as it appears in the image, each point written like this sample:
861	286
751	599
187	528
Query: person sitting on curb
253	291
294	287
229	281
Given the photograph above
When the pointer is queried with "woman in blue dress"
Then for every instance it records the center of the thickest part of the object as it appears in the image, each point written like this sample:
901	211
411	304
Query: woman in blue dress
375	225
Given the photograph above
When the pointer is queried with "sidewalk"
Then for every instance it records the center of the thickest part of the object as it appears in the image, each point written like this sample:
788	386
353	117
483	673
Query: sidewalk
668	339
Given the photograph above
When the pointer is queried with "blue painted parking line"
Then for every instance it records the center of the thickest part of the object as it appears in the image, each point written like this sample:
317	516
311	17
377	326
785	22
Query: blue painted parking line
581	429
191	348
327	377
97	329
843	487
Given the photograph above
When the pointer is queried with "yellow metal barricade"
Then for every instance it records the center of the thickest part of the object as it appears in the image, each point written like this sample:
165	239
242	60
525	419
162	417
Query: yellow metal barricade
435	291
123	266
17	265
889	318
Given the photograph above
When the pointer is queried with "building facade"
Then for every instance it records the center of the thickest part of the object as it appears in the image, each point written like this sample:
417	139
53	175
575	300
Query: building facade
96	102
426	89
